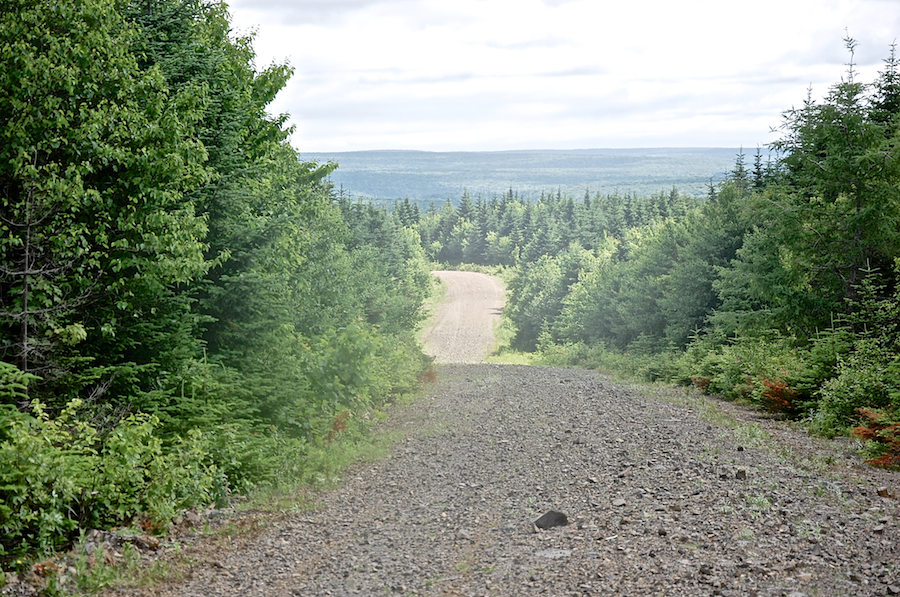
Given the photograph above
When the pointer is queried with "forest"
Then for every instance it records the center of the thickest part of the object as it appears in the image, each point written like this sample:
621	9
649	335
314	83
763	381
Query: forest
185	311
779	288
426	176
189	310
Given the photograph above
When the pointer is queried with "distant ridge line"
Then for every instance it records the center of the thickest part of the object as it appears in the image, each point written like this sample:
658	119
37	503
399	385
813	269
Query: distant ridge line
439	175
736	150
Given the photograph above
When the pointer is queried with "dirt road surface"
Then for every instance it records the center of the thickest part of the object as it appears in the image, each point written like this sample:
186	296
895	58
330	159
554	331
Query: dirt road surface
463	325
665	493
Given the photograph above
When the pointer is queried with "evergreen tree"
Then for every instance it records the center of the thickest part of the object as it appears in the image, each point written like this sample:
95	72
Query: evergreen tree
833	214
759	173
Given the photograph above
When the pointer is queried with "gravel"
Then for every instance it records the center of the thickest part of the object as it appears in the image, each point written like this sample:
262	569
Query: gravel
462	328
663	493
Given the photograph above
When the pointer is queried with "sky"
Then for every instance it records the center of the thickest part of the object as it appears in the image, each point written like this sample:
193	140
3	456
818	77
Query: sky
488	75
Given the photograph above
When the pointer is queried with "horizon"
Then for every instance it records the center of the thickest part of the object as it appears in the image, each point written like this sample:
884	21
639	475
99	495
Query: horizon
438	175
541	150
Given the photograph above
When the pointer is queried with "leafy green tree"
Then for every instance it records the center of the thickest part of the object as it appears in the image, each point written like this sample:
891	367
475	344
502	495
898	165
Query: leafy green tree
710	237
166	256
98	158
588	312
538	290
868	374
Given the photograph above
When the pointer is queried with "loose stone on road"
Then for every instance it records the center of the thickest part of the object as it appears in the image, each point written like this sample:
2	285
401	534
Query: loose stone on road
649	489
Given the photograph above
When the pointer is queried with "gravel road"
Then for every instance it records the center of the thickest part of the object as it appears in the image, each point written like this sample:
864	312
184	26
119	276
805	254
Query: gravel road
665	493
462	329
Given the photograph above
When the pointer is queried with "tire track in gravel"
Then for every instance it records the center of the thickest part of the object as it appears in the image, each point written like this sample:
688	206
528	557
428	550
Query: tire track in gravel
660	501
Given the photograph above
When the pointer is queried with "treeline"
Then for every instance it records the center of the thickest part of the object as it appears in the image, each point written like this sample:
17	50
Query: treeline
780	288
185	311
507	230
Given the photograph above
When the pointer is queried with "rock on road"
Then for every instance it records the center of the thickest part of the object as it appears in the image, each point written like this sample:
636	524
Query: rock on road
666	493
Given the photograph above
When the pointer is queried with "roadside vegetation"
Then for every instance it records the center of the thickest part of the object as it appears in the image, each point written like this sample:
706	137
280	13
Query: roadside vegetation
779	288
190	313
187	313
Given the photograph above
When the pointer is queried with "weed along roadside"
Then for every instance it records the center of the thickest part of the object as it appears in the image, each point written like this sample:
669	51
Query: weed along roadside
147	555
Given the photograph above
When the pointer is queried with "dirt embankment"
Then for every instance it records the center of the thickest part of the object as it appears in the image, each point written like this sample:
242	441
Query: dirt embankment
659	500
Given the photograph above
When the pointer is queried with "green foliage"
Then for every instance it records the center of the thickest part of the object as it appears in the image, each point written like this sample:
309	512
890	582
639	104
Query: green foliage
863	379
759	370
867	371
57	477
97	156
537	291
14	384
586	312
830	214
198	308
629	366
508	230
392	274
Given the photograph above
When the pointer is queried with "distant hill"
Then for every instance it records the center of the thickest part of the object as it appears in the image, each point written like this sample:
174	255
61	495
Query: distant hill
436	176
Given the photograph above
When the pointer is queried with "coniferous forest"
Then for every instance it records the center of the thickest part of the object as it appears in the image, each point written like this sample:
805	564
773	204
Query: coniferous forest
779	288
185	313
188	310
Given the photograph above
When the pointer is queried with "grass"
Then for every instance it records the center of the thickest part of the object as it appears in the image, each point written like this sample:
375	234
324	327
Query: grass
809	530
757	504
502	351
130	571
324	466
438	294
709	409
751	434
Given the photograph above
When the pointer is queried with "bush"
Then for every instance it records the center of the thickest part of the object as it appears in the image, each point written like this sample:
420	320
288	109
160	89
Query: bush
881	430
57	477
637	365
820	363
761	371
14	384
869	377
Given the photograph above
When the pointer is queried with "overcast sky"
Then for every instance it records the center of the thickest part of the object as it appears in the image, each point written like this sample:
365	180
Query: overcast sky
445	75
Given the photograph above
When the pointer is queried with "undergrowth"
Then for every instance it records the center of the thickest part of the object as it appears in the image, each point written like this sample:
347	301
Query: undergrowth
305	470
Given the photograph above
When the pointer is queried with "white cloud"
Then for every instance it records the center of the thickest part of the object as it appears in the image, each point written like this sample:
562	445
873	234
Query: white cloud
501	74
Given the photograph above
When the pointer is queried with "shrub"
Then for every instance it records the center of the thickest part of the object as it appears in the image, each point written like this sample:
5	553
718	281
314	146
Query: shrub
57	476
880	428
759	370
778	396
701	383
14	384
869	377
821	360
